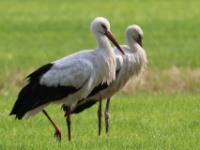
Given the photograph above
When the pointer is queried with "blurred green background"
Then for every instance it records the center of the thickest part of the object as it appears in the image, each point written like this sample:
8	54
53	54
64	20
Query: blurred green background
164	112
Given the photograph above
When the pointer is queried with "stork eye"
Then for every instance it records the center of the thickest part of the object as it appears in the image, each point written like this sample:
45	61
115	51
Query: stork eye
104	27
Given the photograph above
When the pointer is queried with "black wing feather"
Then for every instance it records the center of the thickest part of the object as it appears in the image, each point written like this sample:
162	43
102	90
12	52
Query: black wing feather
34	94
39	72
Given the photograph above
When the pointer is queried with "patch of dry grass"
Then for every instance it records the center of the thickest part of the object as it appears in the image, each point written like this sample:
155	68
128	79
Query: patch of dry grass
172	80
12	81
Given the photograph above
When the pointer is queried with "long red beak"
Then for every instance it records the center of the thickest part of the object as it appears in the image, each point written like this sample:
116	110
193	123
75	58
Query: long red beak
111	37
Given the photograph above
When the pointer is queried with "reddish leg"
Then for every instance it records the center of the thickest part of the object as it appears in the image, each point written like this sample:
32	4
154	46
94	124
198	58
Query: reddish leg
58	133
107	115
99	115
68	120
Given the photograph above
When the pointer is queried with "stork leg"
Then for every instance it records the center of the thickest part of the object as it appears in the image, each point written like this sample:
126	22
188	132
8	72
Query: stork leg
68	120
99	115
58	133
107	115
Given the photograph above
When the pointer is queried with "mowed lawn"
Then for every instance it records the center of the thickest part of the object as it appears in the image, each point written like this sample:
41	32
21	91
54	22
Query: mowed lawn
161	112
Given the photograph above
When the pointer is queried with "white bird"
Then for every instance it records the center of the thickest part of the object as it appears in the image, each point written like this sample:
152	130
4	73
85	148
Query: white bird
69	79
129	65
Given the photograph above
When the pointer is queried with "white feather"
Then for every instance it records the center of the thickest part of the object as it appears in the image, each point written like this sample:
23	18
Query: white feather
83	70
130	65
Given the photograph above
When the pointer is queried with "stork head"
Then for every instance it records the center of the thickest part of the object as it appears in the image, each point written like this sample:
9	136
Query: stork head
135	32
101	26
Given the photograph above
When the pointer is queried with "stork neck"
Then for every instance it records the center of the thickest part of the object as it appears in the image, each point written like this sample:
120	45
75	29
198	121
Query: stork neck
106	52
132	43
103	43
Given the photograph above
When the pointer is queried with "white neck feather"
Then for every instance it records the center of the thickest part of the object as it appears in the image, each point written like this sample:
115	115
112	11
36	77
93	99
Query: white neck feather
108	54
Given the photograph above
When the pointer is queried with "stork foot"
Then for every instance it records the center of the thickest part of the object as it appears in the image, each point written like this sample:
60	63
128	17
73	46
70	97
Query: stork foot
58	134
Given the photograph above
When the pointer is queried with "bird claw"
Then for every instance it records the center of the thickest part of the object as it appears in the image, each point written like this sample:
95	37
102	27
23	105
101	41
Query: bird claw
58	134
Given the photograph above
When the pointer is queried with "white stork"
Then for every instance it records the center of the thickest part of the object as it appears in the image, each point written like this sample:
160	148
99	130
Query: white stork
69	79
129	65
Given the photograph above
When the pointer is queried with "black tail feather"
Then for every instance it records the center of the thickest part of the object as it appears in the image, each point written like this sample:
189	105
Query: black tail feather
34	95
20	106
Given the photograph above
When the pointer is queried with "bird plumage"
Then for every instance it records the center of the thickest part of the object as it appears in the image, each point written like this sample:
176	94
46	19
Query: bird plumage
71	78
35	94
130	65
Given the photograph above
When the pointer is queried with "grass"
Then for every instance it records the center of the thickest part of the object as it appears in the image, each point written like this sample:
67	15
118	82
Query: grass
51	28
161	111
147	122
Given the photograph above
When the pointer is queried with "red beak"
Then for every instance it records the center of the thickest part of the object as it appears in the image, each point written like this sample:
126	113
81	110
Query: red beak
111	37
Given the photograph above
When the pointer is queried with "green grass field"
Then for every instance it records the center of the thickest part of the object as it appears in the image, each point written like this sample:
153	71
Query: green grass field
160	111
